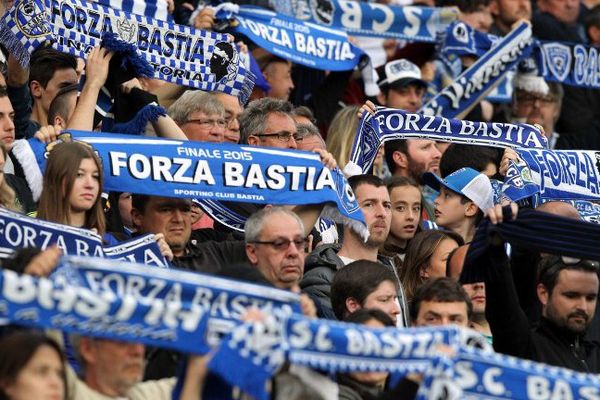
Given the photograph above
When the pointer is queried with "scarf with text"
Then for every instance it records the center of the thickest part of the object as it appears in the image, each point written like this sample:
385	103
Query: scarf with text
186	169
177	53
259	349
564	174
19	231
473	374
419	24
457	99
168	308
389	124
155	9
302	43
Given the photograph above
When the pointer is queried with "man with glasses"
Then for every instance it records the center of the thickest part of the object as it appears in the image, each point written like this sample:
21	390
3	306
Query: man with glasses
200	115
539	108
567	289
268	122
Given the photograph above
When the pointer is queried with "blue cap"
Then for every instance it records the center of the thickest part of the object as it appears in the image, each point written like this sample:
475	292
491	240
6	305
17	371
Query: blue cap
470	183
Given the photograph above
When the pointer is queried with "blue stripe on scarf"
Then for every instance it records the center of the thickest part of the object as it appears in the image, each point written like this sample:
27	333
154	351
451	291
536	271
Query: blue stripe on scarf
155	9
302	43
570	64
456	100
420	24
564	174
186	169
143	250
389	124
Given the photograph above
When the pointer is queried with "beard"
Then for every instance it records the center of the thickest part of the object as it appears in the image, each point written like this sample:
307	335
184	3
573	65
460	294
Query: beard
416	170
568	322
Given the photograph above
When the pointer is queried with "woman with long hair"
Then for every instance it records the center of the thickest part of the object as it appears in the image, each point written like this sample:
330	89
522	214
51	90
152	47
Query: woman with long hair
426	258
32	366
72	187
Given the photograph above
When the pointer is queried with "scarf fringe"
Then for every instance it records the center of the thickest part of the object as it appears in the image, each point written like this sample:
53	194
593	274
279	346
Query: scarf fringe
331	212
137	126
14	45
33	175
131	58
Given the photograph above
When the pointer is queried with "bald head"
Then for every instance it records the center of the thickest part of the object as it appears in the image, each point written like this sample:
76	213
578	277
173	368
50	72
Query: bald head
560	208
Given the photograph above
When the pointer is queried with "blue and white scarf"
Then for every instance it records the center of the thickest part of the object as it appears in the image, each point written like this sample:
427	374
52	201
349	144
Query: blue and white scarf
389	124
155	9
474	375
178	54
259	349
589	211
419	24
457	99
186	169
302	43
571	64
19	231
564	174
168	308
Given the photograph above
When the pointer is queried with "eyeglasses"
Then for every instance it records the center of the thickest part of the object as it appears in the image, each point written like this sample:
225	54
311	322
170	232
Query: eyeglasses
207	123
553	260
574	261
284	244
528	99
281	136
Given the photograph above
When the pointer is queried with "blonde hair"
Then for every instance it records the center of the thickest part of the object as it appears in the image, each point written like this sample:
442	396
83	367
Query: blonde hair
8	199
341	134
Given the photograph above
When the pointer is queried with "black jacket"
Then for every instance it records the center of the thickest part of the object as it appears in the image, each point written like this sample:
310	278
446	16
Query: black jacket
513	333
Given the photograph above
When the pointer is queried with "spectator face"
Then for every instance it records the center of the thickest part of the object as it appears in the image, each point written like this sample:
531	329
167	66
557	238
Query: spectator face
60	79
279	132
232	110
125	208
114	367
377	208
476	292
384	298
169	216
310	143
7	126
201	127
572	303
537	109
41	378
480	20
566	11
86	187
279	76
437	263
507	12
449	211
282	260
423	156
436	313
406	212
408	98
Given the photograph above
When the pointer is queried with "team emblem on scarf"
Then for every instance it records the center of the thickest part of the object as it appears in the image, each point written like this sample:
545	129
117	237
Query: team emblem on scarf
179	54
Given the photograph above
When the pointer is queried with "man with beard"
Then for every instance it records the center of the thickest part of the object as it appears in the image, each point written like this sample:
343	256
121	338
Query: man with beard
321	265
506	13
567	288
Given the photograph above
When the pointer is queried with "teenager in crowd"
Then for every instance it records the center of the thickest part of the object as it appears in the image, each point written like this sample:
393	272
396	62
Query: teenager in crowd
426	257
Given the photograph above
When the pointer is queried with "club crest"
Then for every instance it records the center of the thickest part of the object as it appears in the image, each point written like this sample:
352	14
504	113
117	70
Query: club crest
558	59
224	61
126	30
31	19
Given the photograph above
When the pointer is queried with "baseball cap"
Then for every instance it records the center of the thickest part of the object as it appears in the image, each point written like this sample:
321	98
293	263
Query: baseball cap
400	73
470	183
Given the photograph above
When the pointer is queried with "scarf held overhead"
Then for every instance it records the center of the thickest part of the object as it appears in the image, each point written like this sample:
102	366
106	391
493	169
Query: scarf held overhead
186	169
302	43
357	18
177	53
389	124
457	99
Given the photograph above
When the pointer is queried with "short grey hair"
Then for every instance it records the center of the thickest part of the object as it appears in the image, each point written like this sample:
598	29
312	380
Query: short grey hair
254	118
307	130
193	101
255	223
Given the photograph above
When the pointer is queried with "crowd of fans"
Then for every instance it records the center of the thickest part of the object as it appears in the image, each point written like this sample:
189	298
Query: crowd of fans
536	306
